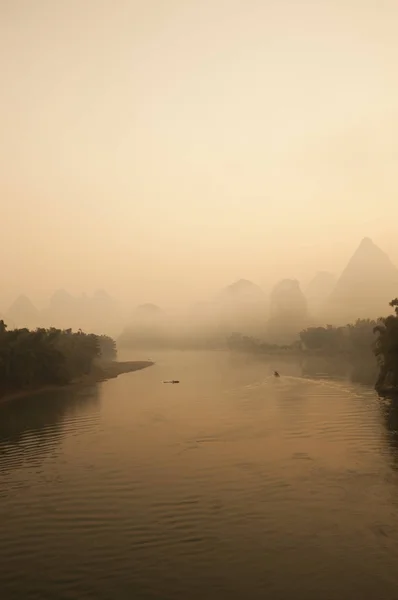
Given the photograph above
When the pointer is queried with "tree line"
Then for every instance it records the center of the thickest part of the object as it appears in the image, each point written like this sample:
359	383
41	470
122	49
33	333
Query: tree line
363	337
354	338
386	350
49	356
358	340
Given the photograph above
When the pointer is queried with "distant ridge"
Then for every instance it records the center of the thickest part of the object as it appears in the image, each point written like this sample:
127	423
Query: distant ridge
22	313
288	311
320	286
366	286
242	290
241	306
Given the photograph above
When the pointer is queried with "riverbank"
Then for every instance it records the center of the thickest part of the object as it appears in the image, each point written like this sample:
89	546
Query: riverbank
387	391
109	370
101	371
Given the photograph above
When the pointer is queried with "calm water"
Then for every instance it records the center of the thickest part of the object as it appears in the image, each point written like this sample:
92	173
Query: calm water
230	485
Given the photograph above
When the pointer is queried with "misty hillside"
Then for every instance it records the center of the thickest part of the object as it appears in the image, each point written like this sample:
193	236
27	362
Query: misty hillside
22	313
363	290
241	306
146	321
366	285
98	313
241	292
287	300
288	311
318	291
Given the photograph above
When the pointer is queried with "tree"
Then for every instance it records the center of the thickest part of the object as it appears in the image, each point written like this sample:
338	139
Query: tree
386	348
47	356
107	346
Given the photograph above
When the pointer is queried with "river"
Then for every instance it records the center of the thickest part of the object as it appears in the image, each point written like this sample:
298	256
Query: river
232	484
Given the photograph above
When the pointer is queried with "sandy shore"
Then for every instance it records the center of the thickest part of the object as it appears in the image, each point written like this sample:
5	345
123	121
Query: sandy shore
101	372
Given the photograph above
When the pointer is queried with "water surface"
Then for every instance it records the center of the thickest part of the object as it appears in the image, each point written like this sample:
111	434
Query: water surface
231	484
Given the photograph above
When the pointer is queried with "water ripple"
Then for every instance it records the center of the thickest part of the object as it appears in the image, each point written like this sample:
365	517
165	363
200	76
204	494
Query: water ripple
232	485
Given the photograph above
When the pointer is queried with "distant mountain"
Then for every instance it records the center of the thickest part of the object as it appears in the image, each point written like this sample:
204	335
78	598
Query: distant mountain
22	313
241	307
149	310
102	313
242	290
97	313
366	286
147	314
288	312
147	324
61	299
287	300
62	311
318	291
103	300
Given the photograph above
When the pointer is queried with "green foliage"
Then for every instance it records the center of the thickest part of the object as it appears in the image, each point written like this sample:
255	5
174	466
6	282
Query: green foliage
108	348
48	356
386	348
244	343
355	338
326	339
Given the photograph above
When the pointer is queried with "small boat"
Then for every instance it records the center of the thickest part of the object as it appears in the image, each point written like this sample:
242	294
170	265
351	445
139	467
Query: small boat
171	381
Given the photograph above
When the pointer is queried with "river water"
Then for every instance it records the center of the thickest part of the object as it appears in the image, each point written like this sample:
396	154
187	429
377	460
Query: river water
232	484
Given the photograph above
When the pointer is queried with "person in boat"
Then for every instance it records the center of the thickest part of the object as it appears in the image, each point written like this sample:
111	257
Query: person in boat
276	374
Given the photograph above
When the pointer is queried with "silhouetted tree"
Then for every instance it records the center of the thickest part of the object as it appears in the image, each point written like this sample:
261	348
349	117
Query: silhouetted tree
107	346
355	338
48	356
386	349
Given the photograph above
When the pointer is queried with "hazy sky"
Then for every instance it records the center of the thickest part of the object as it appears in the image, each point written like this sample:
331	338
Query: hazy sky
166	147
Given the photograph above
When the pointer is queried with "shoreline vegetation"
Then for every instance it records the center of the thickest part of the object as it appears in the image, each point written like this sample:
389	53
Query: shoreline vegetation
363	341
50	359
32	361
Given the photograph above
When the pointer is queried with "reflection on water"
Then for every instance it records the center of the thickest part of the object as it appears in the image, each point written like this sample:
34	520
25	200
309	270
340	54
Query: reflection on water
39	412
389	410
36	423
361	370
233	484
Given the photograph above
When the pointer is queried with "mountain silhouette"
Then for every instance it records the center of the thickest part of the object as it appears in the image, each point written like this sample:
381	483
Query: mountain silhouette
241	307
147	316
61	299
96	313
366	286
242	290
288	311
318	291
22	313
288	301
321	285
